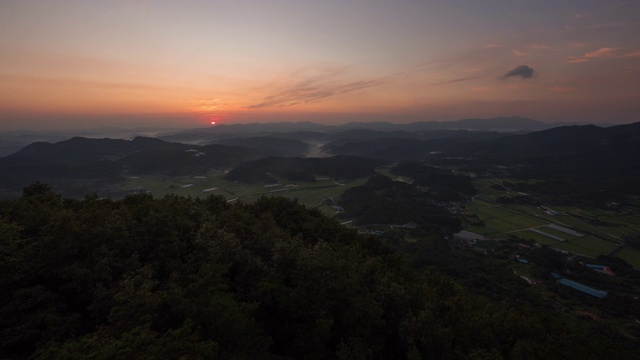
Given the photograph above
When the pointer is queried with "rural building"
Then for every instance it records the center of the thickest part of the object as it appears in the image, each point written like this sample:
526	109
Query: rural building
580	287
466	238
601	269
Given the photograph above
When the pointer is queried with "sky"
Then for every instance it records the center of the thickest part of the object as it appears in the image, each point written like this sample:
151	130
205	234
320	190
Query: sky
188	63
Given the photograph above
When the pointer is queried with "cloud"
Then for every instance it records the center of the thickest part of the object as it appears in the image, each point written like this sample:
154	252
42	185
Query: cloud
561	89
582	15
632	54
519	53
453	81
602	52
578	45
605	52
540	46
608	25
523	71
314	87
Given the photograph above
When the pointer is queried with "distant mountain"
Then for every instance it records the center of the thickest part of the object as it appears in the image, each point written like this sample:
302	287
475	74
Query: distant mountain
85	149
212	133
578	164
307	136
269	146
300	169
12	141
79	166
209	134
190	161
588	145
411	146
503	124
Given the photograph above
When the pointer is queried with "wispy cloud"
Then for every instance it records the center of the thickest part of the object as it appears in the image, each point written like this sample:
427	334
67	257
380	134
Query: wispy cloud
523	71
582	15
632	54
453	81
602	52
540	46
480	89
519	53
578	45
608	25
561	89
605	52
313	86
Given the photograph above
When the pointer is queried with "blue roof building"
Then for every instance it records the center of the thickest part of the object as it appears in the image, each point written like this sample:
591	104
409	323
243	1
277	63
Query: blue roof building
583	288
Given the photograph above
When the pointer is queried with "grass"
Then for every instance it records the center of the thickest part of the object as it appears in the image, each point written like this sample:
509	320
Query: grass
631	256
513	223
589	246
603	232
539	238
309	194
493	212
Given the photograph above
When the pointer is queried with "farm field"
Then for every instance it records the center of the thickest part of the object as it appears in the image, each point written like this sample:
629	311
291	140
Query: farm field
309	194
602	230
631	256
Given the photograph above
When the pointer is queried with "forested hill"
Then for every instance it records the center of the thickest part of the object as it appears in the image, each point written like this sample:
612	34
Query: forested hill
303	169
202	278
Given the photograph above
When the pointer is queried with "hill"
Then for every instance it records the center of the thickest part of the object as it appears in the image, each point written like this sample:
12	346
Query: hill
201	278
223	131
302	169
404	146
80	165
269	145
573	163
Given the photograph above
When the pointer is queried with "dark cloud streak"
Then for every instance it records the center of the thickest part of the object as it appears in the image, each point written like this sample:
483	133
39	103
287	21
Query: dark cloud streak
523	71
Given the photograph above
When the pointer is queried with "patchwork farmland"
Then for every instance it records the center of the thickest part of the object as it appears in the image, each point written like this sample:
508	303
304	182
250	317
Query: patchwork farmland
587	232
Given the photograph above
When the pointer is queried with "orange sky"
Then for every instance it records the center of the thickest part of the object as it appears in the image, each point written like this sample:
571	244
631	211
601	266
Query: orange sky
187	63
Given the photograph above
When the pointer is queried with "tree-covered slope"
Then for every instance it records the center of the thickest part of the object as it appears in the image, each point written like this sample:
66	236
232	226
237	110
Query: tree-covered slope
189	278
302	169
269	145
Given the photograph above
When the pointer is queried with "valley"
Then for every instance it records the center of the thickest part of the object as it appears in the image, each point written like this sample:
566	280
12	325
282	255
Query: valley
547	219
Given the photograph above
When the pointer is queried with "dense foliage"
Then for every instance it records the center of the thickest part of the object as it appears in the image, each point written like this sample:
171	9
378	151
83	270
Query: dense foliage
441	184
189	278
267	170
79	166
386	202
269	146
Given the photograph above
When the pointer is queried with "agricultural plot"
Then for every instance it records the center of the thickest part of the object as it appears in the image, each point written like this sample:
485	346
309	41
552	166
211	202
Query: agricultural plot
589	232
544	233
309	194
514	222
632	256
607	222
588	246
493	212
478	203
539	238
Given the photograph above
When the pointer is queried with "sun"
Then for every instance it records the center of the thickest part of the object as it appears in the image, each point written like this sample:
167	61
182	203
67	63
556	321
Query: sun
213	123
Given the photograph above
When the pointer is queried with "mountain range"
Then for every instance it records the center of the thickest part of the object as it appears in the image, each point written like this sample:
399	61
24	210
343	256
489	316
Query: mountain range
81	163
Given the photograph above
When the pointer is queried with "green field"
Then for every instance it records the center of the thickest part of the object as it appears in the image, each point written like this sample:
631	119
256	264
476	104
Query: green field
309	194
603	228
631	256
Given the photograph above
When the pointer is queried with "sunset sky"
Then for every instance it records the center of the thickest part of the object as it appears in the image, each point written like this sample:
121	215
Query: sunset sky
68	63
